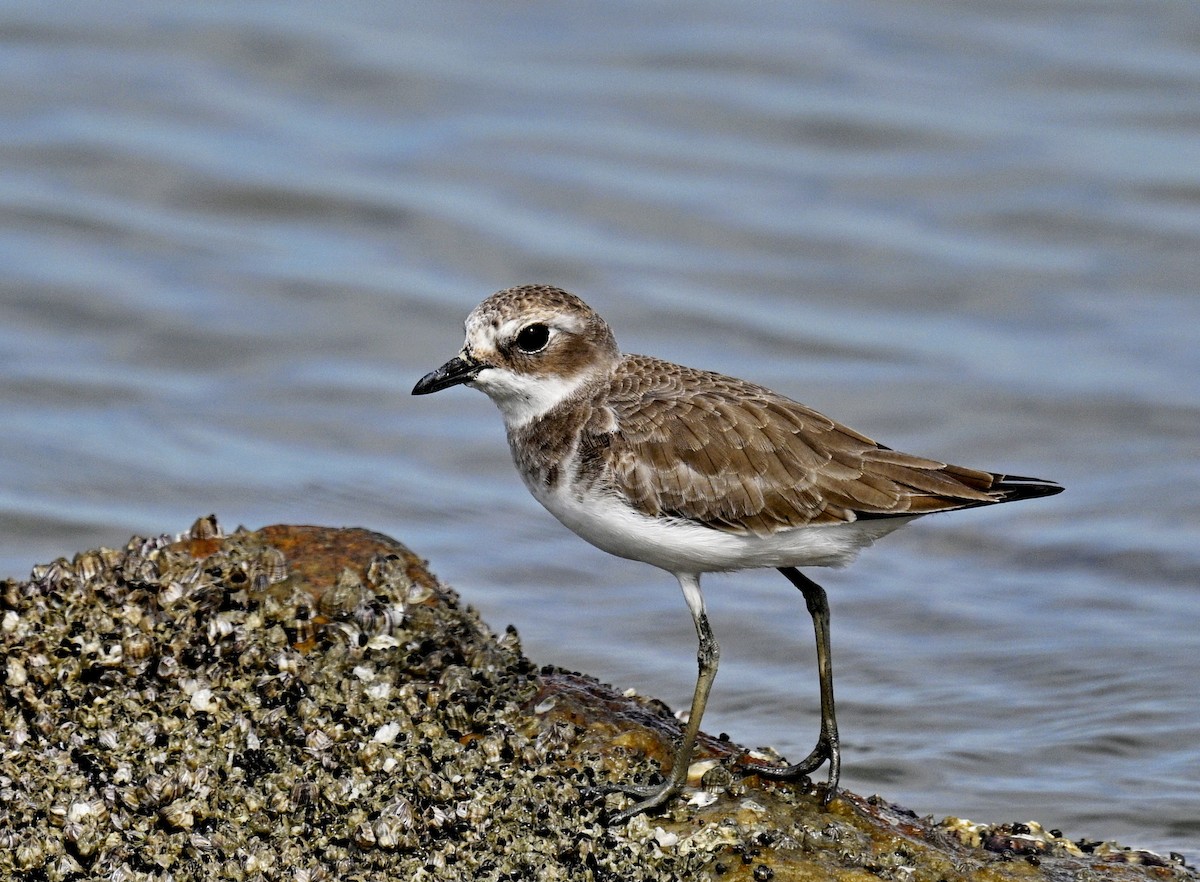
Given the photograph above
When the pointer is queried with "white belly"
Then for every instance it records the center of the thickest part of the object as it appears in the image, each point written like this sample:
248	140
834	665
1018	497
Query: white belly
685	547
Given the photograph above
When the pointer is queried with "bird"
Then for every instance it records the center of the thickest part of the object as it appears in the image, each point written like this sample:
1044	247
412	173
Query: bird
695	472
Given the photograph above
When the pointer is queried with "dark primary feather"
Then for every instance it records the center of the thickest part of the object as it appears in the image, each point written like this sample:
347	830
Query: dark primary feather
736	456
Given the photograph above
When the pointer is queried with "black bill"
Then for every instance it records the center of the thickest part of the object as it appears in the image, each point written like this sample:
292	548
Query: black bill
460	369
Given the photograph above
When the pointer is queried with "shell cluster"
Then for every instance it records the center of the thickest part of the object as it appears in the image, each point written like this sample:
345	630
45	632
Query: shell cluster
168	716
301	704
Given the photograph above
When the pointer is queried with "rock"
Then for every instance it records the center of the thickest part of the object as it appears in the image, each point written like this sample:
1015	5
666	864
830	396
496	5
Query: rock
300	703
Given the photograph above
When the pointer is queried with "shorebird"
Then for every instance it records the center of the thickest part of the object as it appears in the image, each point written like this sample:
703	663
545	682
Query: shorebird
694	472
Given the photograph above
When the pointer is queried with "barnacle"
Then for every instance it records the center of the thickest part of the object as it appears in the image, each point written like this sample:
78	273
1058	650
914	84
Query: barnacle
205	707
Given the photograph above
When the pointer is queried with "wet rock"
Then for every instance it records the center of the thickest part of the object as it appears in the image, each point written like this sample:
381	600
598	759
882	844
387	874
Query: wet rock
307	704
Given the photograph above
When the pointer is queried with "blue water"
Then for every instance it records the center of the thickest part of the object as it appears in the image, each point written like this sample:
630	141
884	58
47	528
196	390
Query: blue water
233	236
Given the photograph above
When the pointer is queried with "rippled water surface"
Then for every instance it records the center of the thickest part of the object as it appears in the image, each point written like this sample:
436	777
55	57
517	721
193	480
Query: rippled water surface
233	236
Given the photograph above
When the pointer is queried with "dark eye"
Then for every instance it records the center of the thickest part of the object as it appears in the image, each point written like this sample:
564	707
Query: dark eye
533	338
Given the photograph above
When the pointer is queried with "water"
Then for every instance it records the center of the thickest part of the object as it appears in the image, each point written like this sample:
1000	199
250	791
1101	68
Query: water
233	236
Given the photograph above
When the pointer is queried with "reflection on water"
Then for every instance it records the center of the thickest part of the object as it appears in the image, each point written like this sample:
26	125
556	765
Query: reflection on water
234	236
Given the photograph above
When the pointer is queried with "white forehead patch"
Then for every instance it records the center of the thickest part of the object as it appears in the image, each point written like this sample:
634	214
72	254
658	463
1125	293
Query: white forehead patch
484	335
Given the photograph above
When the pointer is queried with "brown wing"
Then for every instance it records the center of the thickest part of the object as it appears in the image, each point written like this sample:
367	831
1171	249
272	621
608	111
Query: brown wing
736	456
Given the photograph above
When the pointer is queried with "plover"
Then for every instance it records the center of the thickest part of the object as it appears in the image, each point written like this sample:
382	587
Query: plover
695	472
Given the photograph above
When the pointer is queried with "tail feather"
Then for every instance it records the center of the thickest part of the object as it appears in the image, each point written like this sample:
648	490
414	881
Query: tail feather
1013	487
979	489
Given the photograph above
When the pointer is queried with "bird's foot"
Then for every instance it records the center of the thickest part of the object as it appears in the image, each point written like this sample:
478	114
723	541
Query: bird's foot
825	751
648	796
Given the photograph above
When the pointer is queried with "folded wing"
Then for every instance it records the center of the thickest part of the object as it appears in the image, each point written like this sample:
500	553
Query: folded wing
735	456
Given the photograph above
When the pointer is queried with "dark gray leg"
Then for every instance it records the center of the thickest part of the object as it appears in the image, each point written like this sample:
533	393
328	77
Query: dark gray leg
707	657
827	744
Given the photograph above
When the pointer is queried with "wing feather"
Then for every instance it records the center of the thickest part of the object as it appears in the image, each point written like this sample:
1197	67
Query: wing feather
733	455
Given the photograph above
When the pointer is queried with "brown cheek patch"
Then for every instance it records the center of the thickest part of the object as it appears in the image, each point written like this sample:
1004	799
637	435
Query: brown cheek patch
561	360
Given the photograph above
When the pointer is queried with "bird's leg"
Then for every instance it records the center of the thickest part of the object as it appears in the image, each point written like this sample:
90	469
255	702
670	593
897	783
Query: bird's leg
827	748
707	657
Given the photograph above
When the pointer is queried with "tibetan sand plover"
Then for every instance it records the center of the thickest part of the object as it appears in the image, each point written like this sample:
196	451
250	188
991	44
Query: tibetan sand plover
695	472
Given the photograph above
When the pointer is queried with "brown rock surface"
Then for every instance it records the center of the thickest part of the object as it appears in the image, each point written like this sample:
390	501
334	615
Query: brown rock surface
303	703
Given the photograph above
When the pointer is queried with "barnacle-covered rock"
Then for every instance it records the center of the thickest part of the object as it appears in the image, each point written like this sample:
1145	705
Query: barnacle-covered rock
307	704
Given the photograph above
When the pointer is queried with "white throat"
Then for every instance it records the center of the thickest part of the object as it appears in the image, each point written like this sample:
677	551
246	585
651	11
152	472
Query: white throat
522	398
